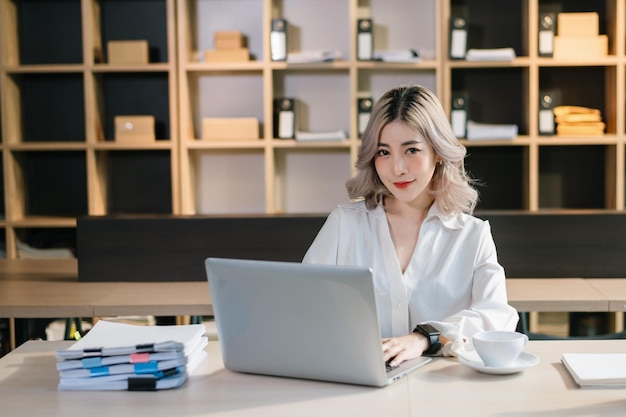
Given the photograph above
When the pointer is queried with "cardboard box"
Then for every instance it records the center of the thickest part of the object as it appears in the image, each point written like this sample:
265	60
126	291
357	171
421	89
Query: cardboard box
228	40
134	129
581	47
230	128
227	55
128	52
578	24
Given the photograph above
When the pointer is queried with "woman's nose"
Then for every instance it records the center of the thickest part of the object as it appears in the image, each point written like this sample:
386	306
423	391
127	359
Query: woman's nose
399	167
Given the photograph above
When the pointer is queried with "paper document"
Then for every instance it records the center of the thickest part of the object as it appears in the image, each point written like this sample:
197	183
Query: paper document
596	369
476	131
498	54
335	135
307	57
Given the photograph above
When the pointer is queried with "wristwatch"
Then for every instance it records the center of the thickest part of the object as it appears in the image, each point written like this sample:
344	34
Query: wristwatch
431	334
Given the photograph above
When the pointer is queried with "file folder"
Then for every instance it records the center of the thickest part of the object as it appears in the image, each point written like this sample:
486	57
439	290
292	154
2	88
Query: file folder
284	118
458	114
546	114
365	111
278	40
547	31
458	37
365	40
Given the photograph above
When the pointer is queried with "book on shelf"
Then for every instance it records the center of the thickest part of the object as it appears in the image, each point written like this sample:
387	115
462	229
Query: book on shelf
119	356
596	370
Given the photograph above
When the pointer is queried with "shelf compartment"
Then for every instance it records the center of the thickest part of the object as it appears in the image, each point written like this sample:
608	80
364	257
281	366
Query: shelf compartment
605	9
132	94
496	96
499	171
494	24
311	180
224	94
574	177
49	32
321	25
375	82
400	25
47	108
597	91
205	17
229	181
132	20
45	242
52	183
322	99
137	182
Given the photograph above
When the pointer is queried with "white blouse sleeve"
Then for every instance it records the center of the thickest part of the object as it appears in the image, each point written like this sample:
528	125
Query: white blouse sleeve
489	309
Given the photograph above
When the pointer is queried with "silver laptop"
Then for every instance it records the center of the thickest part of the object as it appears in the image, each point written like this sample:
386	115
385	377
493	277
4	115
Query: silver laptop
300	321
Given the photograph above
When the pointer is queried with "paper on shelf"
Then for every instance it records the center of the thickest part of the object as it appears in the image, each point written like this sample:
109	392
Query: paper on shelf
476	131
408	55
336	135
307	57
497	54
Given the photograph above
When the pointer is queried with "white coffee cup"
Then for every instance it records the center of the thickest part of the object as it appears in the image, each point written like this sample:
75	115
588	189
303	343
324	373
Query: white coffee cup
499	348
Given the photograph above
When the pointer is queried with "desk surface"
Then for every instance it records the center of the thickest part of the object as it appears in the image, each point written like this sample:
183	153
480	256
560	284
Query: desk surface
28	381
50	288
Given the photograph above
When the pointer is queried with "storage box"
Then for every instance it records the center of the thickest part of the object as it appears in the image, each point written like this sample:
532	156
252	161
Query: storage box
134	129
230	128
128	52
228	40
227	55
580	47
578	24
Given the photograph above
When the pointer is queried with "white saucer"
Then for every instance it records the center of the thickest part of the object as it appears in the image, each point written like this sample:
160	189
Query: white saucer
472	360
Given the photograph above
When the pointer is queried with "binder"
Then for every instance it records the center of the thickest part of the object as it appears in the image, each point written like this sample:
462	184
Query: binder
546	113
365	111
365	40
547	31
458	37
278	40
284	118
458	114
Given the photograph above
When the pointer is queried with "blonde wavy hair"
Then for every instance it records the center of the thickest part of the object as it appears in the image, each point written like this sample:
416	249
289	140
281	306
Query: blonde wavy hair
420	110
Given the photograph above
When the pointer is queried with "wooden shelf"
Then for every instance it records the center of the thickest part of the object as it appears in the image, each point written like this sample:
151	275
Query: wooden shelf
57	106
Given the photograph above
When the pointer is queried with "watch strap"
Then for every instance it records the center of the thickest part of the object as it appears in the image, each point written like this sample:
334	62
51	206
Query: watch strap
432	335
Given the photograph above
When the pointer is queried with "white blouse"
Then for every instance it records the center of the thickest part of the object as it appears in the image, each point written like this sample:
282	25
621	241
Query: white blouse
453	281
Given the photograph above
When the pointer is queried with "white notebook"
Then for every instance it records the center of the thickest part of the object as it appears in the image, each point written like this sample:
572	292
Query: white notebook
596	369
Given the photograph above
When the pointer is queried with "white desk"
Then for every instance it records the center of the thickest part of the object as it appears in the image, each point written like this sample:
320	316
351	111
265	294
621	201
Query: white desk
28	380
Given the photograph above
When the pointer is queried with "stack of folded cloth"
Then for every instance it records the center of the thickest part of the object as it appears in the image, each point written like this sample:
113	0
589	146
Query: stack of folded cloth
116	356
578	121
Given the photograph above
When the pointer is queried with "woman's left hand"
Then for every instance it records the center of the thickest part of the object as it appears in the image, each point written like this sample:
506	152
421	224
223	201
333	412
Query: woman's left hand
403	348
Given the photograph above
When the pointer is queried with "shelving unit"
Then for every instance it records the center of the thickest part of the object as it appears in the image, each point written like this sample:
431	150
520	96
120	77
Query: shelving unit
58	97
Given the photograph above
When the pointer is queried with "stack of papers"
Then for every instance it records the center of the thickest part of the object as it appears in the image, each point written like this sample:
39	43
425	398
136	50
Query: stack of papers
118	356
476	131
578	121
596	370
308	57
498	54
409	55
336	135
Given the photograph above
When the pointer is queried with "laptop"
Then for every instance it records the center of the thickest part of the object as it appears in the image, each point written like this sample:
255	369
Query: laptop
295	320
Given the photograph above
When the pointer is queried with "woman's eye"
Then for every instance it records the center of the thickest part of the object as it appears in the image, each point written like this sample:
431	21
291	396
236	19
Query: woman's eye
382	152
412	150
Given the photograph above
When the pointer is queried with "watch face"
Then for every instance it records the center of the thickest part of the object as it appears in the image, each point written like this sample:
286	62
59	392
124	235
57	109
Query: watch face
428	328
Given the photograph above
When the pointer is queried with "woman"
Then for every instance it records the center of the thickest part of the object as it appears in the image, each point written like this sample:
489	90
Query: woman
435	266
